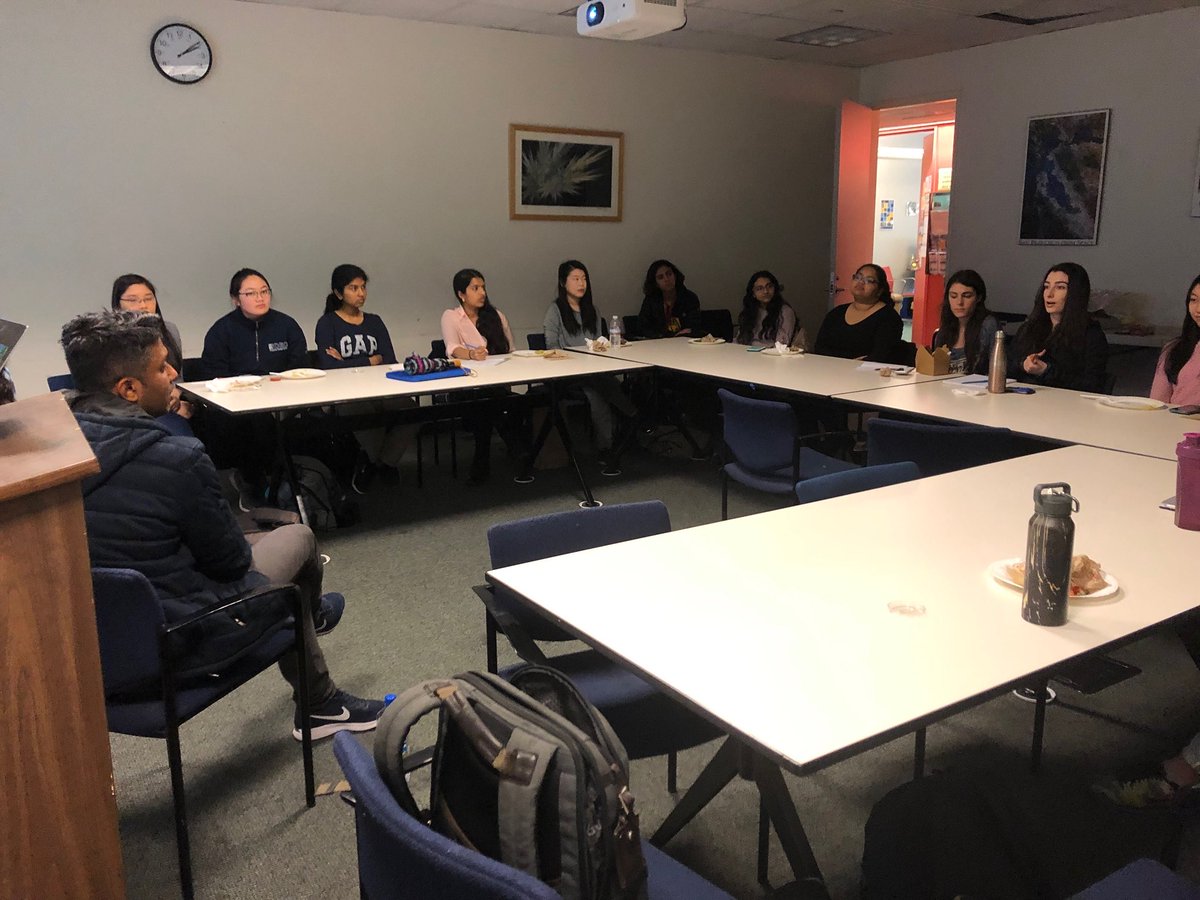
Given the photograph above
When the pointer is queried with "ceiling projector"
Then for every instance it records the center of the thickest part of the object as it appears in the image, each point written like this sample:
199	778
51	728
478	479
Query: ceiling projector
629	20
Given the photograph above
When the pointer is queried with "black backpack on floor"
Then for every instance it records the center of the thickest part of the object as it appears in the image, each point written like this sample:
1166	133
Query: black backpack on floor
325	500
528	773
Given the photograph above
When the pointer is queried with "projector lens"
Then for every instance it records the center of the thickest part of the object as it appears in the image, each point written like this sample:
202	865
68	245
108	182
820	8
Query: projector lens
595	13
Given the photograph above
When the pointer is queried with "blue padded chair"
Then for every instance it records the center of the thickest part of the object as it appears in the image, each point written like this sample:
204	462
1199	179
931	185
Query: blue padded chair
764	449
146	697
536	340
399	858
852	482
648	722
61	382
937	449
1142	879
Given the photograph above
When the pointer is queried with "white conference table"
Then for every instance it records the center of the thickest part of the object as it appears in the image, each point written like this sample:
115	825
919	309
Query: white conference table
805	373
749	647
282	396
1058	415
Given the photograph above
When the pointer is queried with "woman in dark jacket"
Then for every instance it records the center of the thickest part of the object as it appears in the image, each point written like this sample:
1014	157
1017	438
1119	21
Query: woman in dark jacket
1059	345
253	339
669	309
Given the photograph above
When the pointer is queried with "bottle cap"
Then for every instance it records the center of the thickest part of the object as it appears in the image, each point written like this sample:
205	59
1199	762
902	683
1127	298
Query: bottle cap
1054	499
388	698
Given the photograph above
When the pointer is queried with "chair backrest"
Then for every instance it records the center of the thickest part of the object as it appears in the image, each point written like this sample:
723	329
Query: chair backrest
853	481
437	349
717	322
61	382
513	543
128	619
631	327
760	434
399	857
536	340
941	448
193	369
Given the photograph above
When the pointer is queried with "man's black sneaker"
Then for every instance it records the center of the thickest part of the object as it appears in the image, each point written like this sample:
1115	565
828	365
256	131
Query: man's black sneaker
342	712
329	613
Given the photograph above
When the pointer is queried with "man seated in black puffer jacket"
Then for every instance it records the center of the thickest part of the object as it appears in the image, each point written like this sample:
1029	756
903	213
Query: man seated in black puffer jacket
156	506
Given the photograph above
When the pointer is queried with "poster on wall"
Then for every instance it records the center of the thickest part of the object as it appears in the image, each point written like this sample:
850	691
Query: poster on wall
1064	178
887	214
1196	188
564	174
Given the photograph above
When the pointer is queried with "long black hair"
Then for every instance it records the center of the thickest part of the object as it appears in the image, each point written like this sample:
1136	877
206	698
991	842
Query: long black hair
1179	351
489	326
342	276
124	283
650	288
948	325
750	306
1039	333
587	309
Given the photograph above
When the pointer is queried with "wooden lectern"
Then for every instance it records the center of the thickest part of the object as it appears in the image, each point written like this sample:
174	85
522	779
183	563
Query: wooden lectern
58	827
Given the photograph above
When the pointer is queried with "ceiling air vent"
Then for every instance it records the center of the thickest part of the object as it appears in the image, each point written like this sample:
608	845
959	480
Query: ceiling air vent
831	36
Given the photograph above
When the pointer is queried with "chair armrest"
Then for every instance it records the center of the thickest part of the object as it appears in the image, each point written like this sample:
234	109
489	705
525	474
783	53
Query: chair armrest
517	636
257	597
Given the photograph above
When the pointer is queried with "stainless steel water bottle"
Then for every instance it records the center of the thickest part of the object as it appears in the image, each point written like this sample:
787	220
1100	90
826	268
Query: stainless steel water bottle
998	366
1048	552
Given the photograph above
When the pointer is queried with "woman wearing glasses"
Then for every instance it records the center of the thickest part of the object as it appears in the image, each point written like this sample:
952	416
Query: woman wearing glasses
135	293
766	318
252	339
868	327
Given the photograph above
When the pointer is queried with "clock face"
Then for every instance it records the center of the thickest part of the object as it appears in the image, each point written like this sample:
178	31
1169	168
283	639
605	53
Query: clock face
181	53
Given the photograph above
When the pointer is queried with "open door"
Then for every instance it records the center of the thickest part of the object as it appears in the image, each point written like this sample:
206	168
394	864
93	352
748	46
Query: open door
854	208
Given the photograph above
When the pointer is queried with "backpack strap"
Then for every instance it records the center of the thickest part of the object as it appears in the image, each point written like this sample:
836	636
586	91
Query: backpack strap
518	801
392	731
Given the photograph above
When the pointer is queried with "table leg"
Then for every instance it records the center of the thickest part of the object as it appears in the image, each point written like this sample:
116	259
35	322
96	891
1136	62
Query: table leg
919	755
564	434
720	770
781	810
289	467
1039	726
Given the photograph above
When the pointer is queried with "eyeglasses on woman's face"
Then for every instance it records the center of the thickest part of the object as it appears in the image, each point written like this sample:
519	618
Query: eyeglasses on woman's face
265	294
865	279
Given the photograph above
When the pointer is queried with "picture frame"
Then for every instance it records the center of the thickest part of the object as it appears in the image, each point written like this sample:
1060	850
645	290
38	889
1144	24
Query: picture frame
1196	186
1064	178
565	174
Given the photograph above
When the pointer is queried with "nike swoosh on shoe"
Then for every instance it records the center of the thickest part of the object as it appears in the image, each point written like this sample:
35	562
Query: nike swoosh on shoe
343	716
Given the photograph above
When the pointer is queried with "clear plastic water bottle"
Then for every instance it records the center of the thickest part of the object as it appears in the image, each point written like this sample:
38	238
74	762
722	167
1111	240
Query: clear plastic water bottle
614	331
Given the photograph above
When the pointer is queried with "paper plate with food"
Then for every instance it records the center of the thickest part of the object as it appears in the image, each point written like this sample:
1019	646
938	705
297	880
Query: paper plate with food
1088	581
1136	403
783	350
707	341
302	374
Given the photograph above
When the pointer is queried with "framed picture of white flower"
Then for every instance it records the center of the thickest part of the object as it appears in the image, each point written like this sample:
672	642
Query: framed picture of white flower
569	174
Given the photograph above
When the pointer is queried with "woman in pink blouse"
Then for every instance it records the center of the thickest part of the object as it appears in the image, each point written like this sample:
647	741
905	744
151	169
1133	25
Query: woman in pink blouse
473	331
1177	379
476	328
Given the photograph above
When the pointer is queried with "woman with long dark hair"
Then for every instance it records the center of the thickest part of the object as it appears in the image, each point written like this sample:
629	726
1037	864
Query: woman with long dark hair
669	308
1177	379
348	337
475	330
868	327
1059	345
966	327
766	318
135	293
572	320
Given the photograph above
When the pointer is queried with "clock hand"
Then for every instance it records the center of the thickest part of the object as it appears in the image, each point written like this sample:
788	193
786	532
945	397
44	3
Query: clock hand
188	50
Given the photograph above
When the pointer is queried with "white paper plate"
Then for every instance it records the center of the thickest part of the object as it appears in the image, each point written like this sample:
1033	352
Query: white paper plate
245	381
999	571
302	374
529	353
771	351
700	342
1143	403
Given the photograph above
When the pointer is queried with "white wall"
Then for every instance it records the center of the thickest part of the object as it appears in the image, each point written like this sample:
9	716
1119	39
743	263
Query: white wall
898	180
324	137
1144	69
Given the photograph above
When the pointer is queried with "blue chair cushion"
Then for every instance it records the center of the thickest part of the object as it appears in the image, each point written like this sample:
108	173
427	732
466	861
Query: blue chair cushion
867	478
147	717
649	722
780	481
1142	879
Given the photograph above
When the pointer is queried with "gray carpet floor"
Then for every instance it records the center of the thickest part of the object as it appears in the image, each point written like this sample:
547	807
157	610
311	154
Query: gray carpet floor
407	573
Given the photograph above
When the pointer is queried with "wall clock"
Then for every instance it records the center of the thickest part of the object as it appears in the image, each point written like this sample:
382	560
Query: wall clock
181	53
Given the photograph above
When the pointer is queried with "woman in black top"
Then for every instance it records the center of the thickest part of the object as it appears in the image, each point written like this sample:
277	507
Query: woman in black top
966	328
669	309
347	336
868	327
1059	345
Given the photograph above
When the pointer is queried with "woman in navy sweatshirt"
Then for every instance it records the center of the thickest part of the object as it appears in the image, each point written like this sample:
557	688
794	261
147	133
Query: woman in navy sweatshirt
252	339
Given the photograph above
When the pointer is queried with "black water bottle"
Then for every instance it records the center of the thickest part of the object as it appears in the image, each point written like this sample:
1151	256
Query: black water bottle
1048	555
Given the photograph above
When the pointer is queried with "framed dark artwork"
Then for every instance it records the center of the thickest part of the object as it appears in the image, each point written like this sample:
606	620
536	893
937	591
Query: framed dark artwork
568	174
1064	178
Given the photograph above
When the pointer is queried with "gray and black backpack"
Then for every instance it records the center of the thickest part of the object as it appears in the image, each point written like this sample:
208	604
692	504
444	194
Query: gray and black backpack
527	772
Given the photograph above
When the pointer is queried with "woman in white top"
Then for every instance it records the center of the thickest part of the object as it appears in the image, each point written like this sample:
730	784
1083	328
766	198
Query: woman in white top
572	320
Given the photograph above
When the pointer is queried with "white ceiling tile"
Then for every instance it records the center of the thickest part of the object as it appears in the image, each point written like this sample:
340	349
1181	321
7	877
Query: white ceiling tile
543	6
492	16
